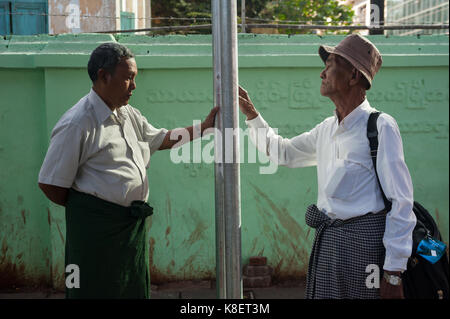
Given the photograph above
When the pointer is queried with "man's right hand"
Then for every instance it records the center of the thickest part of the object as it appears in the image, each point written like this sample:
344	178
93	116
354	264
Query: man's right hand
246	105
56	194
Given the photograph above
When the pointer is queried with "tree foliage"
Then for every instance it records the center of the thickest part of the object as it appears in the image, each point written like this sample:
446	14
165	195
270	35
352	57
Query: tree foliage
253	8
181	8
329	12
321	12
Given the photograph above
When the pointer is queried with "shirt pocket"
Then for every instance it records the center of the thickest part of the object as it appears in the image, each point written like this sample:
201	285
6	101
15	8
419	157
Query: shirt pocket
344	178
145	152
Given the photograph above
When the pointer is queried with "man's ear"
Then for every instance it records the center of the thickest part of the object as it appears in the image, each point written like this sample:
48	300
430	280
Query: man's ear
356	77
103	76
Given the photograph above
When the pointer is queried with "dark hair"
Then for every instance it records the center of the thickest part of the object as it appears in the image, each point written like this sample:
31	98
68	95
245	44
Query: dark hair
106	56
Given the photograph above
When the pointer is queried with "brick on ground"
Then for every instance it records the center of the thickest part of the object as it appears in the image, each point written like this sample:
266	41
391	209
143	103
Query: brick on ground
257	261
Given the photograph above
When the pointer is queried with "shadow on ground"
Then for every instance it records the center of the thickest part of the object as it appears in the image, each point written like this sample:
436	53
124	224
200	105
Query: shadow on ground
204	289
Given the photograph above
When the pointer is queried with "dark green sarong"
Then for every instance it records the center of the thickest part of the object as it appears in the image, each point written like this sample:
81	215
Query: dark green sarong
108	243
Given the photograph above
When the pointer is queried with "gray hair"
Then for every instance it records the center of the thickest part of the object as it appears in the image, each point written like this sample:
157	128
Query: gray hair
106	56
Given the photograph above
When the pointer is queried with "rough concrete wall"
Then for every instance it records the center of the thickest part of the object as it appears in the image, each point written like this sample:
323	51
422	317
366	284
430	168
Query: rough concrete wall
25	256
174	86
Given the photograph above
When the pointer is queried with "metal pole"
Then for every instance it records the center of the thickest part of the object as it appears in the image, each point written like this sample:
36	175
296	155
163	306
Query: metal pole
230	138
243	16
218	166
149	25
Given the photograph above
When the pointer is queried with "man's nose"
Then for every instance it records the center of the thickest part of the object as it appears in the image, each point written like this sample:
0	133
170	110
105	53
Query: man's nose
322	74
133	85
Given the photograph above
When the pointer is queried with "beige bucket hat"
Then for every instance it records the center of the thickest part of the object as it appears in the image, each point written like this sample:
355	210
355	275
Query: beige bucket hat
359	51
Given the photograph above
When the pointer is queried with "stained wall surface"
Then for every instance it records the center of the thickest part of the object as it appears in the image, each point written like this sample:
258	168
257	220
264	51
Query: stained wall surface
68	16
43	76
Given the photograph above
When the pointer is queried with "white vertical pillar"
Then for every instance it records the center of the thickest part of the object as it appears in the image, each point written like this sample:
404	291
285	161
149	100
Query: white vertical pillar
134	9
118	9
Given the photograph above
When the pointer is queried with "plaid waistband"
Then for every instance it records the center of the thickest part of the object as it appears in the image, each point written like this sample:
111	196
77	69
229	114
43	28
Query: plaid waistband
315	218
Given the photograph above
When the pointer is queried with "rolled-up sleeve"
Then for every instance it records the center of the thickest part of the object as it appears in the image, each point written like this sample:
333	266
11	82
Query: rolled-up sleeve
397	186
299	151
153	136
61	162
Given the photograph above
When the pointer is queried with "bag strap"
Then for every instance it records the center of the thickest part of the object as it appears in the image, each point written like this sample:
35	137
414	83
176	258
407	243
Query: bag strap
372	135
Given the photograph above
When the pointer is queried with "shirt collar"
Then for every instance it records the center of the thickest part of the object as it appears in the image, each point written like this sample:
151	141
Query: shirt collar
102	111
349	121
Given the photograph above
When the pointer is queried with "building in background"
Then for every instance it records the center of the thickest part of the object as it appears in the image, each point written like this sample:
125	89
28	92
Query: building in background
23	17
72	16
76	16
417	12
362	13
399	12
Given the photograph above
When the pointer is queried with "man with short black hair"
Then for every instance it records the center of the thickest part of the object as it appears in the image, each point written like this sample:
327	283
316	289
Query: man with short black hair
96	167
355	232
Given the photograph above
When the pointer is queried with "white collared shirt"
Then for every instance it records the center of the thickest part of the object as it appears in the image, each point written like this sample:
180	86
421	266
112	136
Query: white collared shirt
100	152
347	184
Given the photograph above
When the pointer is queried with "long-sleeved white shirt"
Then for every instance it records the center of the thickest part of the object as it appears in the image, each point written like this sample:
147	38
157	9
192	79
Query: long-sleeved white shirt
100	152
347	184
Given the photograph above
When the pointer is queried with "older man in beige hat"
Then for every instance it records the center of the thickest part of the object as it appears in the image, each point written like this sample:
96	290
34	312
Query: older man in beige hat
360	237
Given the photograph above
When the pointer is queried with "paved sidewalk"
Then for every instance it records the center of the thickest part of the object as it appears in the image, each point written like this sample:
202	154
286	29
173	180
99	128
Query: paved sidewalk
179	290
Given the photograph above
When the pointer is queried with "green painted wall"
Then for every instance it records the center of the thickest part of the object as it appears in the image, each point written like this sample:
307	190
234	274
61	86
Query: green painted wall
43	76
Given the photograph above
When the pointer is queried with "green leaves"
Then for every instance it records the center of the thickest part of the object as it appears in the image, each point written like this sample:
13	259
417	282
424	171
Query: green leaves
324	12
319	12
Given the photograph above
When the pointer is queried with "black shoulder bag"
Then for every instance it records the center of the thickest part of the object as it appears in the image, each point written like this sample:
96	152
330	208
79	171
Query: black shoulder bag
422	278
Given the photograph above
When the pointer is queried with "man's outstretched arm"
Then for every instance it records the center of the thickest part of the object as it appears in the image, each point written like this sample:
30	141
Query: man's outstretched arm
168	143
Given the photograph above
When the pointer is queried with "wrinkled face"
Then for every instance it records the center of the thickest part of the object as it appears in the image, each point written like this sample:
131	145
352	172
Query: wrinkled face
121	84
335	77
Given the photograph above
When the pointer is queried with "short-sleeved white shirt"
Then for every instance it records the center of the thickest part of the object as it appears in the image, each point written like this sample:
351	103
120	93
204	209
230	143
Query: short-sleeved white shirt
100	152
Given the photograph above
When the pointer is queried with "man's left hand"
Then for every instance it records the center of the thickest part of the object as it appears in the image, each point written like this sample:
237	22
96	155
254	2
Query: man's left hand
388	291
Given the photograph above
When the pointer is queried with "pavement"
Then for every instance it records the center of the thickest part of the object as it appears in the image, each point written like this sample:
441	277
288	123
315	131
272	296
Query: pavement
202	289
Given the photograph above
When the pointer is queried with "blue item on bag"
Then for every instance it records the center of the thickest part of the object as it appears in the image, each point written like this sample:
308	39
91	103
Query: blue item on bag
431	249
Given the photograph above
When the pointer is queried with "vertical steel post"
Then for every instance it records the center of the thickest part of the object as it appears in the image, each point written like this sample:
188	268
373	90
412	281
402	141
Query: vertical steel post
230	138
218	166
149	14
227	183
243	16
